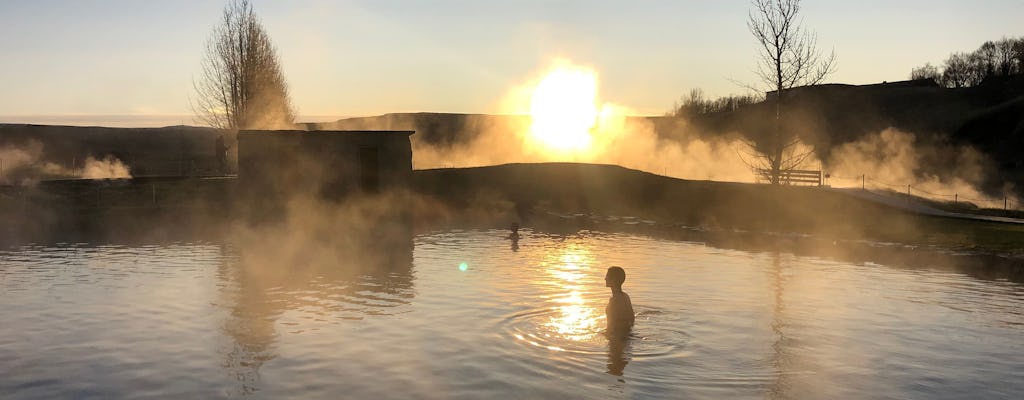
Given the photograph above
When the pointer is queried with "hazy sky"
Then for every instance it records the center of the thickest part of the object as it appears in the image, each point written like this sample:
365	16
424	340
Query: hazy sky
371	57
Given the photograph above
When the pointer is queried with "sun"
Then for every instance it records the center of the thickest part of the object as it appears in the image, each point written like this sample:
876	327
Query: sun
563	108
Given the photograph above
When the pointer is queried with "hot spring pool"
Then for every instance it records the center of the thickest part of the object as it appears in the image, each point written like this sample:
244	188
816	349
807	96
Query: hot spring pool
196	320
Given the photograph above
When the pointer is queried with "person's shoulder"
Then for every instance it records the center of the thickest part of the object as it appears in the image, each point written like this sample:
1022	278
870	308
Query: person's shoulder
621	296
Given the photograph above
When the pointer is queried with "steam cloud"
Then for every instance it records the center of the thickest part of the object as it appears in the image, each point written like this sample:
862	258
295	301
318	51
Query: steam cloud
890	157
27	164
108	167
626	141
894	159
615	138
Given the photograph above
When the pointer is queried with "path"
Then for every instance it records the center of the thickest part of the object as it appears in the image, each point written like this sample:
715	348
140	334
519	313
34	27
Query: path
917	207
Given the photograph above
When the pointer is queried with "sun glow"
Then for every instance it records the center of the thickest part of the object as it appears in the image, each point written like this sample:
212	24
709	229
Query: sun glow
563	108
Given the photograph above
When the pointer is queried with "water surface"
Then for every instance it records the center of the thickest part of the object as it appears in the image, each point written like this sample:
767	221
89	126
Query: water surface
202	320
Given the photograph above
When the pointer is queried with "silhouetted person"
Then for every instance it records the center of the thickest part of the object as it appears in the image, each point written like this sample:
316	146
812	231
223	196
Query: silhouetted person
620	308
221	150
514	236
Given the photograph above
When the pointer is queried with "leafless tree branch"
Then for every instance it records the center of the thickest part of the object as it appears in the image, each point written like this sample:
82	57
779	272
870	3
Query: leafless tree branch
241	85
788	57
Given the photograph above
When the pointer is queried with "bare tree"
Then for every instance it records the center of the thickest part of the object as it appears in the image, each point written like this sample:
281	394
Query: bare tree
926	71
1004	57
241	86
958	71
1017	53
789	58
695	104
1005	62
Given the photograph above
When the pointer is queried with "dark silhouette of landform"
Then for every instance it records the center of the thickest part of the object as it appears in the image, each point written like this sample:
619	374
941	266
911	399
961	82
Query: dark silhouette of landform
988	117
177	185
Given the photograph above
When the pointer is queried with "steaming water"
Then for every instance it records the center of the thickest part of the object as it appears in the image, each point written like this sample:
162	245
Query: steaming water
190	321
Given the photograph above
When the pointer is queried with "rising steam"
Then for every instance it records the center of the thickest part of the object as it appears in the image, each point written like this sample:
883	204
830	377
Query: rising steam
892	159
108	167
27	164
565	121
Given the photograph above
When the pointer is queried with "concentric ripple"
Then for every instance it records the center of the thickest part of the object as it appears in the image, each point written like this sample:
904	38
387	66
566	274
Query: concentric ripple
581	330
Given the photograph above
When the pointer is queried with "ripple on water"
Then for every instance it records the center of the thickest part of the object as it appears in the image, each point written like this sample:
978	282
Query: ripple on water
658	333
525	322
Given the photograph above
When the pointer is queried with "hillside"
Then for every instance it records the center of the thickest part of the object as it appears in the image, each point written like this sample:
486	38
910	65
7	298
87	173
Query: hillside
989	118
589	196
553	197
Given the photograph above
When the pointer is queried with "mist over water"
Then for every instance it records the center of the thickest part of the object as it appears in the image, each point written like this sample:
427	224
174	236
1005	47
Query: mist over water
209	259
278	319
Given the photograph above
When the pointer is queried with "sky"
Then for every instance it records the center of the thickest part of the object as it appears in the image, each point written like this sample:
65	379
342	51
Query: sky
87	58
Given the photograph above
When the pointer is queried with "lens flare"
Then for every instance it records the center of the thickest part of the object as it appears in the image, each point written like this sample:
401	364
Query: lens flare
563	108
463	267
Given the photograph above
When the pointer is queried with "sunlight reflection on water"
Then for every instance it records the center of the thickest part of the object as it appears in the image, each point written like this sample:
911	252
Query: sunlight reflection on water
206	320
575	319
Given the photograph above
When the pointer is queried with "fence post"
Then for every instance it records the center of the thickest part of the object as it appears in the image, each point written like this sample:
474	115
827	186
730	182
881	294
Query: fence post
1004	203
908	191
955	197
862	186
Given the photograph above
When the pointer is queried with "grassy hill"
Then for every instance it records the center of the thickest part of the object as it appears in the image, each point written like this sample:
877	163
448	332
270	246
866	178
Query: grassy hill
584	196
560	197
989	117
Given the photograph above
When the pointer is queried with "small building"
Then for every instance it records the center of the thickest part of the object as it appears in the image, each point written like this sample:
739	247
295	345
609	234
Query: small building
330	164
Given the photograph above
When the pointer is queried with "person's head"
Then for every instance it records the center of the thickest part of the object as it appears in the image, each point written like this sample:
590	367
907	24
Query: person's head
615	277
515	227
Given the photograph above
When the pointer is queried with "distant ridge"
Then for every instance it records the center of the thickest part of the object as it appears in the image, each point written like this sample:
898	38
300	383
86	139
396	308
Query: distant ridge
988	117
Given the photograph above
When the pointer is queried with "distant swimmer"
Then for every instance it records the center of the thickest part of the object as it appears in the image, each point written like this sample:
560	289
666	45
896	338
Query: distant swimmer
620	308
515	231
514	236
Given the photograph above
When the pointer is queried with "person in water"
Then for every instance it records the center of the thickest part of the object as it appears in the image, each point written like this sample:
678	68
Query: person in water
514	236
620	308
